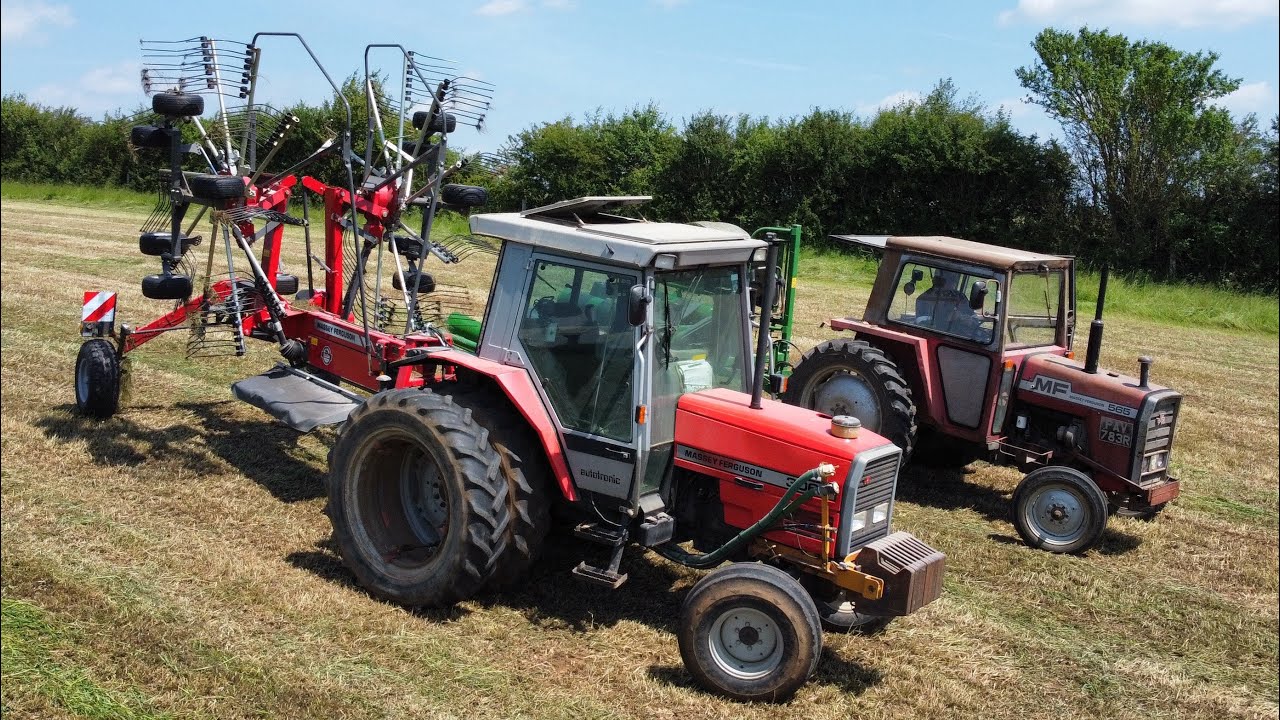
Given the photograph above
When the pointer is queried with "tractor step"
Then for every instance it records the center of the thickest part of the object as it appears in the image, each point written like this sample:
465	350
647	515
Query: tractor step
593	532
603	577
614	537
298	399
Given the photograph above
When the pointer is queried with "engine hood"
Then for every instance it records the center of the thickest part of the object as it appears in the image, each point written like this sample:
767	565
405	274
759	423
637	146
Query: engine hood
1056	381
718	431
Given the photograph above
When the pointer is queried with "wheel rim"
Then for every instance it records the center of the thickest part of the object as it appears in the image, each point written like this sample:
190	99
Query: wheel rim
1057	514
401	502
745	643
843	391
82	382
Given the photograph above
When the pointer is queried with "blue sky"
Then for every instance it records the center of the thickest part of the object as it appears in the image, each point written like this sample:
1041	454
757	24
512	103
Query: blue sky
554	58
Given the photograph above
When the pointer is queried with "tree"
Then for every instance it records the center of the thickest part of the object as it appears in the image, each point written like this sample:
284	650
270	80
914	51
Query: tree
1139	123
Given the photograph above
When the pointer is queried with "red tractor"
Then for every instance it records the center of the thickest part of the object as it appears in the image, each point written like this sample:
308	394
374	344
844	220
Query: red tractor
614	379
611	379
966	349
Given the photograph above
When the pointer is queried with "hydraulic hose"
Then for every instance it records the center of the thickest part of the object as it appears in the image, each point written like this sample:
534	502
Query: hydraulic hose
786	505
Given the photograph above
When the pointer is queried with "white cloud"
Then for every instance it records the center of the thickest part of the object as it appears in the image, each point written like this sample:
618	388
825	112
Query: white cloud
901	97
102	89
119	79
30	20
495	8
1179	13
1257	97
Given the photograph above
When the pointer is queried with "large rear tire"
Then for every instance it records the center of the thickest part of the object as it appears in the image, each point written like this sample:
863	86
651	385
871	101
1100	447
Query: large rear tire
751	632
525	469
97	379
417	499
1059	509
853	377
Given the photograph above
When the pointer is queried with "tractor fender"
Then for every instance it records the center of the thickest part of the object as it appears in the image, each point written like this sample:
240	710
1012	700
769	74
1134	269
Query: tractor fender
908	351
519	389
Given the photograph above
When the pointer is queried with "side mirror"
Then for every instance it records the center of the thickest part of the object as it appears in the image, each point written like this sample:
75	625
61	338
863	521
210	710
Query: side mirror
917	275
638	304
978	295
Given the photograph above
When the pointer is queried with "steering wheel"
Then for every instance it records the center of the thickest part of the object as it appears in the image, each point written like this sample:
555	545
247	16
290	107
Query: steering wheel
541	308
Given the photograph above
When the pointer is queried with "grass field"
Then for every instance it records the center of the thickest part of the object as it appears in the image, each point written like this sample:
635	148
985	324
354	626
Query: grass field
174	561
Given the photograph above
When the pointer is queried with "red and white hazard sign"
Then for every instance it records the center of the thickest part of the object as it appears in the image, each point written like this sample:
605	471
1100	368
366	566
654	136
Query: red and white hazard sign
98	307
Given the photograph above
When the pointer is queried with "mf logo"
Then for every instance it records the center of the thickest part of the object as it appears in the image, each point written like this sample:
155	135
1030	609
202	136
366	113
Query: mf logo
1051	386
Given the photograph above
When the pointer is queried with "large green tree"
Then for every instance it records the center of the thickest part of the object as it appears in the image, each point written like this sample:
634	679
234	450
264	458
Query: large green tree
1139	121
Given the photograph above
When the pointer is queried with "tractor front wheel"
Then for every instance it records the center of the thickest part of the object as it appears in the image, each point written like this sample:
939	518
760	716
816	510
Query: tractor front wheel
853	377
750	631
97	379
1059	509
417	499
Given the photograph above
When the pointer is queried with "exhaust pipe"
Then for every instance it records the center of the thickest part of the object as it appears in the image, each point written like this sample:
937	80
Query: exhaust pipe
1095	328
763	341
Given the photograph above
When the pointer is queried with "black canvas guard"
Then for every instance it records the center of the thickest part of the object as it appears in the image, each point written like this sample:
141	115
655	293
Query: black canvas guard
295	398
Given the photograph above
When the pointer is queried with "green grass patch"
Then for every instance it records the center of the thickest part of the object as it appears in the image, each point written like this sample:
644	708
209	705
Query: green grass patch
79	196
34	651
1180	304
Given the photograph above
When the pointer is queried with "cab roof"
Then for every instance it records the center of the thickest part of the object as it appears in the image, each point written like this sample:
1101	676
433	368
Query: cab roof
582	227
956	249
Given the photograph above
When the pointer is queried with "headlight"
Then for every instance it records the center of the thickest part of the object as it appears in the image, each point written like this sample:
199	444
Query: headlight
859	520
1155	462
880	513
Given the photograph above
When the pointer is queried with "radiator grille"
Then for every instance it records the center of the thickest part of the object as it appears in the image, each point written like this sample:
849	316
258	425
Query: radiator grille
876	486
1156	435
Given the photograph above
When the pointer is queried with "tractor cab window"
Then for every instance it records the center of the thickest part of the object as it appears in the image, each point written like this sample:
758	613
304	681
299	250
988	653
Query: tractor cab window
577	337
697	319
1035	303
941	299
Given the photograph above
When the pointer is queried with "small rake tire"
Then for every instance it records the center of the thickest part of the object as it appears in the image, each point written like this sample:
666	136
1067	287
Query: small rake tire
215	187
871	374
97	379
177	104
750	632
417	499
440	122
464	195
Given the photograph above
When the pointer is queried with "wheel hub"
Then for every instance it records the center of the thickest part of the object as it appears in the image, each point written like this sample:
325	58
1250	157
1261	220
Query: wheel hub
846	393
1056	513
746	643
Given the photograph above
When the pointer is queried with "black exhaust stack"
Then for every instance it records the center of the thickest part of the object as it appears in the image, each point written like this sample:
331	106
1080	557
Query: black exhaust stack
763	341
1095	328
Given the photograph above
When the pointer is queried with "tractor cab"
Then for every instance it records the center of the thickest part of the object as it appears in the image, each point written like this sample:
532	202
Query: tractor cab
970	309
616	318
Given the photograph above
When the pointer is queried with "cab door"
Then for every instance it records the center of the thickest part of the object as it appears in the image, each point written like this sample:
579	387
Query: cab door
580	349
961	342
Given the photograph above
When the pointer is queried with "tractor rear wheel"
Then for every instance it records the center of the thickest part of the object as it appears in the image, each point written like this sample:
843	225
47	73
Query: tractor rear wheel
853	377
417	498
97	379
1059	509
751	632
526	473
